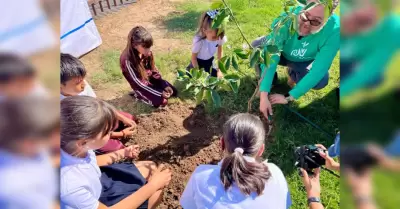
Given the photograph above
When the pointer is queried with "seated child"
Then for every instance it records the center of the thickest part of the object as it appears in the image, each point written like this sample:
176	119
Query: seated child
139	69
18	78
86	125
206	42
27	176
73	83
240	180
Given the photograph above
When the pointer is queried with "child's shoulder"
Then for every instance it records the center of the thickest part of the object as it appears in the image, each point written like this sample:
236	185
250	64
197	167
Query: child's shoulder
197	39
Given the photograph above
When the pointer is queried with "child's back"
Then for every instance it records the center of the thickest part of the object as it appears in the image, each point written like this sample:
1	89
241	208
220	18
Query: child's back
206	191
239	180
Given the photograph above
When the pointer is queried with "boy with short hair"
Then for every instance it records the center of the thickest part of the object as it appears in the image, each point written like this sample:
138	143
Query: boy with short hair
73	83
18	78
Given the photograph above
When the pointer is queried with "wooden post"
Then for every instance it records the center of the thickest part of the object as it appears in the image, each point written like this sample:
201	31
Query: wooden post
115	3
121	1
108	4
101	6
94	9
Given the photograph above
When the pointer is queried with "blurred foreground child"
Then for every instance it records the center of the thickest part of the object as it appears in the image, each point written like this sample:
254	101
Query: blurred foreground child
73	83
28	127
18	77
240	180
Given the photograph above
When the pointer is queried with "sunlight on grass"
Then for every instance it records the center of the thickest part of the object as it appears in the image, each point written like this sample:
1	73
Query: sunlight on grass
111	72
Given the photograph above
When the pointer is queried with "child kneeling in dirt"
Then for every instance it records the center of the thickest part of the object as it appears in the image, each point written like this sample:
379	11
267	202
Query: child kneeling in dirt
86	125
139	69
240	180
206	42
73	83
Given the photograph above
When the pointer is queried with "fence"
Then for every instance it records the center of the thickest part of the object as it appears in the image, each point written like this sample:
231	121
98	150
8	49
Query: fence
100	8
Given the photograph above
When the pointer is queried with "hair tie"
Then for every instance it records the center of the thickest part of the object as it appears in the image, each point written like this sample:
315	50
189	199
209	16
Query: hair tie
239	149
212	13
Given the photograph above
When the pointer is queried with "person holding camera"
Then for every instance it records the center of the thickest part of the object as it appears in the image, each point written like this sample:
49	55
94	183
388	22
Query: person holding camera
312	183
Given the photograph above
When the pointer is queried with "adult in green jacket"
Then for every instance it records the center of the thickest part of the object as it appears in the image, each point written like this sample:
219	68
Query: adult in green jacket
308	54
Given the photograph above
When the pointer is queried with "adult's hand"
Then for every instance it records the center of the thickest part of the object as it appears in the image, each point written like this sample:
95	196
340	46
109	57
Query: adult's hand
361	187
330	163
265	105
311	183
278	99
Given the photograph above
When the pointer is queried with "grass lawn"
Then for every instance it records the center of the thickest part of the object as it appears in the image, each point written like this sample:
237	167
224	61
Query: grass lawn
290	131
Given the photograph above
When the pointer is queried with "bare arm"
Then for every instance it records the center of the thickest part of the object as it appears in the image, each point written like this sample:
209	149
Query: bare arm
110	158
220	53
194	60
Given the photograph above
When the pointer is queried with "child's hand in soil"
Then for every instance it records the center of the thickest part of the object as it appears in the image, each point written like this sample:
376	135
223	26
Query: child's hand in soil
166	95
132	151
129	131
169	90
160	177
128	122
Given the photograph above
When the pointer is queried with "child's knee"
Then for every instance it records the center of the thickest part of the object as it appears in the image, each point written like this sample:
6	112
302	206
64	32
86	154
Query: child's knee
146	168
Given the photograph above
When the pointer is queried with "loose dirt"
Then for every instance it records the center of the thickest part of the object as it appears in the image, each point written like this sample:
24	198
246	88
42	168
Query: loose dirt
181	137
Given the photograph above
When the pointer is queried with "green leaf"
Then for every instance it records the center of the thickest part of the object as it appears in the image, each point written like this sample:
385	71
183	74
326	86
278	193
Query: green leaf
216	98
181	72
290	3
234	86
292	26
255	57
327	11
272	49
212	81
223	59
188	85
310	6
235	62
241	53
199	96
217	5
222	67
266	59
225	86
232	77
221	18
227	64
208	96
286	8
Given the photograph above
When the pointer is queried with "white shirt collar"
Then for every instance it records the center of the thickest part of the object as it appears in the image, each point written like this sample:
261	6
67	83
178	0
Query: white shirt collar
68	159
247	158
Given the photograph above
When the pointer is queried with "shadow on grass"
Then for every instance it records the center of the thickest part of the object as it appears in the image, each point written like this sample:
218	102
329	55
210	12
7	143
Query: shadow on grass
182	21
129	104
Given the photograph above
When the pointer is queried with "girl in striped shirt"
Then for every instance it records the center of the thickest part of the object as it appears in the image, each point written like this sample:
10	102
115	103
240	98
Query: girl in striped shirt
138	67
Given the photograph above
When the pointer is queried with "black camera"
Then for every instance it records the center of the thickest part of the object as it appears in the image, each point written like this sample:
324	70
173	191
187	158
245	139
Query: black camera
357	158
308	158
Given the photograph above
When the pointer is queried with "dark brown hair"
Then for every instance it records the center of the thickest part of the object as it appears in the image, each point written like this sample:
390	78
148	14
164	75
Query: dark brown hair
205	23
247	132
84	117
140	36
28	117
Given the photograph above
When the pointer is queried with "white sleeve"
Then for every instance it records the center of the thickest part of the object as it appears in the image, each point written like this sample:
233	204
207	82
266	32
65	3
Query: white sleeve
79	198
196	46
187	198
89	91
223	41
282	188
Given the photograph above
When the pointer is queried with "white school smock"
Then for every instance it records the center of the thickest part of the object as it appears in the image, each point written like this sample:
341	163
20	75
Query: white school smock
24	28
27	183
205	190
79	34
206	49
80	185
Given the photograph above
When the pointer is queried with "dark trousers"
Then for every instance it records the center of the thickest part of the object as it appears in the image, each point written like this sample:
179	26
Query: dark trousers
206	65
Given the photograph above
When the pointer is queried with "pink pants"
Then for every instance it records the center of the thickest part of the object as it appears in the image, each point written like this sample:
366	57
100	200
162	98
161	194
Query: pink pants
115	144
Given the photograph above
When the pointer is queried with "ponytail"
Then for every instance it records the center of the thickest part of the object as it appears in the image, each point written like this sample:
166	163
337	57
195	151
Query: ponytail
248	176
243	137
